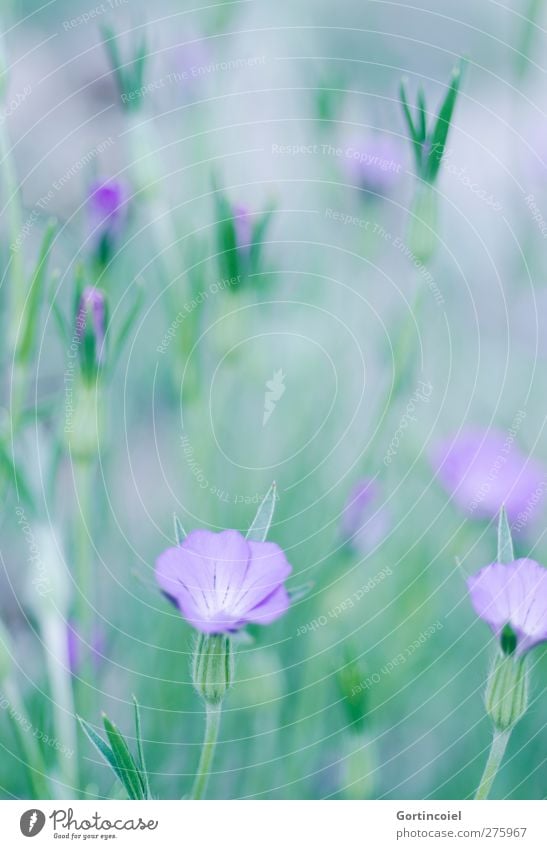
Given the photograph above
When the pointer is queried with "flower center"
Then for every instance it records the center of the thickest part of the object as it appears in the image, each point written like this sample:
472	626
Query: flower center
508	639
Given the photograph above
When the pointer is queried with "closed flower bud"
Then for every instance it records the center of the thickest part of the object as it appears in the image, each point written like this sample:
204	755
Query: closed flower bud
506	697
91	330
213	667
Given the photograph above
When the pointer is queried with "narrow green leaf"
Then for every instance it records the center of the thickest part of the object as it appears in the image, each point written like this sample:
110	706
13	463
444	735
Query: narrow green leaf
180	533
15	476
129	321
140	750
101	747
258	236
62	324
139	63
124	761
110	41
442	126
506	553
422	112
263	519
34	299
417	141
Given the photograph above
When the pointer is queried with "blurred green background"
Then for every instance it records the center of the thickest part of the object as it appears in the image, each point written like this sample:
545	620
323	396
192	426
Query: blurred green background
324	308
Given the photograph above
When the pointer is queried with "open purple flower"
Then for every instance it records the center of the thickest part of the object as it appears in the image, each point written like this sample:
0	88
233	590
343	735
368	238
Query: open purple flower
221	581
365	521
485	470
512	599
107	210
374	163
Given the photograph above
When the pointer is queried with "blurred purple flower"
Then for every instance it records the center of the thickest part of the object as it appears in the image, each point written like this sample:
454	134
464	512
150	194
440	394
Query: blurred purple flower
92	306
365	521
243	226
192	61
107	210
485	470
221	582
77	648
374	163
514	596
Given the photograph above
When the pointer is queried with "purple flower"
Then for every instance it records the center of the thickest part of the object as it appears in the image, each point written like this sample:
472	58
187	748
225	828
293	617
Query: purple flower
485	470
107	209
192	61
374	163
92	309
243	226
512	596
365	522
221	582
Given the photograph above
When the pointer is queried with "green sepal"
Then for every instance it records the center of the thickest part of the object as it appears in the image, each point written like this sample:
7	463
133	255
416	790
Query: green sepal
506	552
260	525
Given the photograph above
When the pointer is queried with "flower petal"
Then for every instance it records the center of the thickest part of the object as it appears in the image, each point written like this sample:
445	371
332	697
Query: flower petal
270	608
225	556
268	569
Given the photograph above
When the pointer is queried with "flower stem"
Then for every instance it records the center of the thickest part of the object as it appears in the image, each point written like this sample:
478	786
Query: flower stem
212	724
83	477
497	751
30	748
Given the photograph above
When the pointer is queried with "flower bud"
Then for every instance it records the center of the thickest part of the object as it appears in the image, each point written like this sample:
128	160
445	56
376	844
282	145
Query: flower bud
213	667
506	697
422	236
107	212
91	331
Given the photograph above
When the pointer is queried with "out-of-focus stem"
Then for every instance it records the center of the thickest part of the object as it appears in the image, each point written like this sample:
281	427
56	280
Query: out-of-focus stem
14	222
27	741
212	725
54	635
495	757
83	480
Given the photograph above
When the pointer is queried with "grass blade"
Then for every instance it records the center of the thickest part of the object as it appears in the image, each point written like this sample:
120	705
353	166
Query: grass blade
140	750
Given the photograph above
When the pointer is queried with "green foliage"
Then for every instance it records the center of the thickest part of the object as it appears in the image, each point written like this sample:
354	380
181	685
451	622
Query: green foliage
129	75
429	144
130	772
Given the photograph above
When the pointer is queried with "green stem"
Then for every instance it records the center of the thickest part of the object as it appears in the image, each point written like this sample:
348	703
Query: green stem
54	635
30	749
83	478
497	751
14	222
212	724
